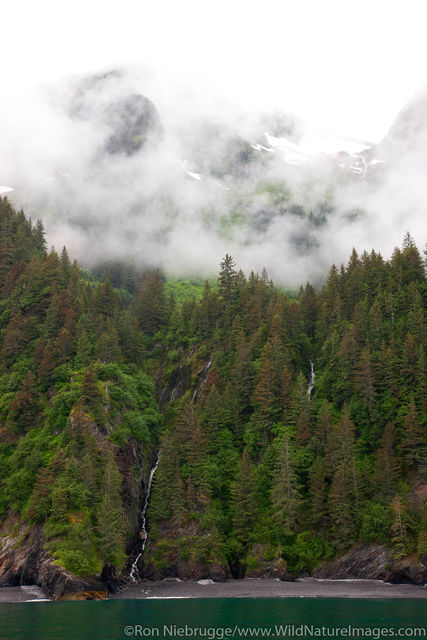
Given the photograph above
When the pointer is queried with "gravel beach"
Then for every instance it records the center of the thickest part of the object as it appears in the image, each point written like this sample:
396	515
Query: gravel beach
246	588
265	588
31	593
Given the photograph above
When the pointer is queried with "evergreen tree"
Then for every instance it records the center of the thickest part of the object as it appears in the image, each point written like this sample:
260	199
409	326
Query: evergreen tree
227	281
318	491
386	466
110	516
414	443
399	536
40	502
244	501
25	406
150	304
344	492
251	465
285	494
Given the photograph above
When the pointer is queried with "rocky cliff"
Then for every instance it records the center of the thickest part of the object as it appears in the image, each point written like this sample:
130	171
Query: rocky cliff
374	562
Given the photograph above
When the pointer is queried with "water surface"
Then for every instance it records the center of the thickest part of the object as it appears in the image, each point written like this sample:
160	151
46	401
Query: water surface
169	618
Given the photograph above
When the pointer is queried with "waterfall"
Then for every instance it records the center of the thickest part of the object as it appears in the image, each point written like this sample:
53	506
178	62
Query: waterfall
181	381
162	393
204	378
311	379
134	574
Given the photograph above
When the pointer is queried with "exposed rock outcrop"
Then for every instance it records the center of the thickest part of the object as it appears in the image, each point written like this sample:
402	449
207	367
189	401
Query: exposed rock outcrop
166	559
23	561
260	567
188	570
24	554
373	562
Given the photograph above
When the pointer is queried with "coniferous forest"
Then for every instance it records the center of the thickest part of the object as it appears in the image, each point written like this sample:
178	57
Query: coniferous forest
290	428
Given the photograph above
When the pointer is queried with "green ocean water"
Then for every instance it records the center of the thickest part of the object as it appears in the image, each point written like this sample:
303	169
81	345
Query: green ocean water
213	618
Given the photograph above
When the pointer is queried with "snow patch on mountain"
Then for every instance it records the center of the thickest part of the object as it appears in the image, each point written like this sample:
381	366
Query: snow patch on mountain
350	154
312	145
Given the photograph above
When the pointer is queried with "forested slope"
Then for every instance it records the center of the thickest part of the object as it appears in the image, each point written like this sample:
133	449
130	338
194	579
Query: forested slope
256	470
257	475
79	419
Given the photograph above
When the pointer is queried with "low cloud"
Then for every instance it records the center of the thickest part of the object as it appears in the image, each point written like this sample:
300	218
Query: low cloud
201	181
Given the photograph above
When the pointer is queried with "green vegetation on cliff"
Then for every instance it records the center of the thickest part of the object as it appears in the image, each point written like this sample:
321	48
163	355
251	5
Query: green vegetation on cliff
79	419
251	460
255	471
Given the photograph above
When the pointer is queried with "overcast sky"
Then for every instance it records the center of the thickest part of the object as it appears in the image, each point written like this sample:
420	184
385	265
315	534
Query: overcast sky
344	65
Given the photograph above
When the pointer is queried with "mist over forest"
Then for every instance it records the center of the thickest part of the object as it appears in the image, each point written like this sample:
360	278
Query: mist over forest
120	169
212	300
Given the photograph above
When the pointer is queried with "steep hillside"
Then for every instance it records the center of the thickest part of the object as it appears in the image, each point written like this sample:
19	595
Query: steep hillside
287	430
300	428
79	419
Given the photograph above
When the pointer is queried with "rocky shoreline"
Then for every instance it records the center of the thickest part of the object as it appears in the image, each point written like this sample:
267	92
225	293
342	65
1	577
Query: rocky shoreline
270	588
244	588
375	562
24	562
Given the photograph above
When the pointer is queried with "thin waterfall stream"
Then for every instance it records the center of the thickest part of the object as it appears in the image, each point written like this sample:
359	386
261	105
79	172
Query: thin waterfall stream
311	379
204	378
134	573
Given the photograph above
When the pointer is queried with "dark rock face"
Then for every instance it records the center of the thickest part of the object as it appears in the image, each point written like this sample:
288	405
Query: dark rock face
275	568
373	562
219	570
192	376
408	571
187	570
130	120
23	560
135	122
174	565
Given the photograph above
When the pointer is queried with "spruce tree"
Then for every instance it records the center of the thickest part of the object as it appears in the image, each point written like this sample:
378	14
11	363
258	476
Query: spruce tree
285	494
386	466
244	494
